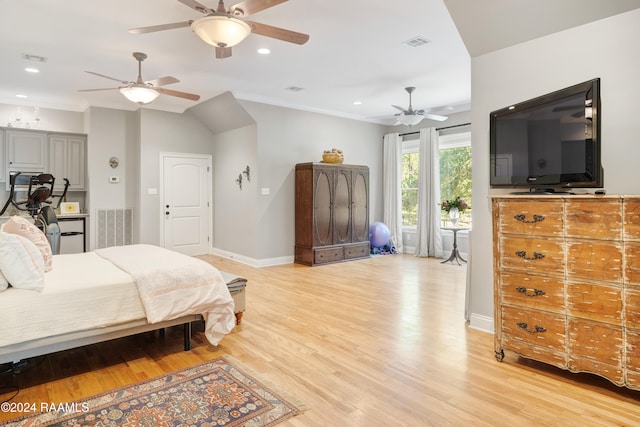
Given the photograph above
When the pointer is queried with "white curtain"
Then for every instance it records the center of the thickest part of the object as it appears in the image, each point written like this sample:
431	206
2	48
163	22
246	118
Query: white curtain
429	238
392	190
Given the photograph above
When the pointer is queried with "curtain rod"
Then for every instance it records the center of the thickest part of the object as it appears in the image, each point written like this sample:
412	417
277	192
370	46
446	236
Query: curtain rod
442	128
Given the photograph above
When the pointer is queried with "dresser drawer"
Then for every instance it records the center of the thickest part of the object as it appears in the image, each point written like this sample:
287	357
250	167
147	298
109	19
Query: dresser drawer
632	263
542	218
633	358
532	255
595	347
532	291
533	326
632	309
594	261
594	219
595	302
631	218
330	254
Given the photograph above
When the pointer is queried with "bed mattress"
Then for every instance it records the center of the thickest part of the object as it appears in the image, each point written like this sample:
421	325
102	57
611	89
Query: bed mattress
82	291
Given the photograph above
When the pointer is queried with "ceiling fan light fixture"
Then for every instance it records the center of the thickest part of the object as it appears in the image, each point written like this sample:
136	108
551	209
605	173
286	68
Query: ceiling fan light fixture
221	31
409	119
139	94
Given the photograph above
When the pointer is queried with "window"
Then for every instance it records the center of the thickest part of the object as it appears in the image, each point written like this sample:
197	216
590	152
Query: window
455	171
409	185
455	175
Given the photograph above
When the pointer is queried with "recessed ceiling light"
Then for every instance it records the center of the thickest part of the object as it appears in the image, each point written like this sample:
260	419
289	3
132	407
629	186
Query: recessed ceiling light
21	96
264	51
357	102
32	70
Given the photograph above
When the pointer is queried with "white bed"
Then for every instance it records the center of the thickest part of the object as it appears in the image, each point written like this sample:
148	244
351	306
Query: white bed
96	296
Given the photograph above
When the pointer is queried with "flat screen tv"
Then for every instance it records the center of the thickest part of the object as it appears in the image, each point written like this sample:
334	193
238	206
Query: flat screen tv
548	143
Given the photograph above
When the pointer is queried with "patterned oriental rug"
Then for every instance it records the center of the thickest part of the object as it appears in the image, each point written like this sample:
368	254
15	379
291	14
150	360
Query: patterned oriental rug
215	393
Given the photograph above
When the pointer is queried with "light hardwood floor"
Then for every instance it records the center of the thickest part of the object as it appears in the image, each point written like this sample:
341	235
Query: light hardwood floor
375	342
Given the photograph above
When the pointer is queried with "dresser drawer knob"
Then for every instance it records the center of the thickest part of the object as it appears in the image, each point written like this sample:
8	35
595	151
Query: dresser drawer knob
523	218
535	293
523	255
537	329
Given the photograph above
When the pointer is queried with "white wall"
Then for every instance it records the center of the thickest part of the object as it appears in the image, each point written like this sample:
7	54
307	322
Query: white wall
164	132
112	133
235	211
606	49
286	137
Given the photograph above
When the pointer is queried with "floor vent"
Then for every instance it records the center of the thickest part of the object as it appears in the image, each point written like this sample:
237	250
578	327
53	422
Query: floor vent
114	227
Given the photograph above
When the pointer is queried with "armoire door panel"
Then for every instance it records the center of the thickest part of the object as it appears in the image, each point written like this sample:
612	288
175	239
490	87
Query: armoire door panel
360	207
322	208
341	208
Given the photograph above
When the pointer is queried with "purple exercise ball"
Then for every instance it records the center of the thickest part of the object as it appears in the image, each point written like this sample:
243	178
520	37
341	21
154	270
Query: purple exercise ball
379	234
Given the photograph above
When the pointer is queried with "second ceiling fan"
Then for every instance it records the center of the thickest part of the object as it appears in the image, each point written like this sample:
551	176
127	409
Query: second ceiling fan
223	28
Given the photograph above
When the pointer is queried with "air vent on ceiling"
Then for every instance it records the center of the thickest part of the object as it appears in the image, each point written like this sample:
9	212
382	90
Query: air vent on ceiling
34	58
417	41
294	88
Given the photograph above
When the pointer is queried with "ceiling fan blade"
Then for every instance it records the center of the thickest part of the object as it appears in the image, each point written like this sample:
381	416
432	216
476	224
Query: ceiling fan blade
399	108
436	117
179	94
161	81
193	4
161	27
223	52
107	77
278	33
94	90
249	7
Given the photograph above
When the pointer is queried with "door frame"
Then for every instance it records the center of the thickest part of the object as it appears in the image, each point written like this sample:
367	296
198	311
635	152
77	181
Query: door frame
161	202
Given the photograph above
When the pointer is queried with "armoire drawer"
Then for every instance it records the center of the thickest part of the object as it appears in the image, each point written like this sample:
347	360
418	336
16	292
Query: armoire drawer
329	254
358	250
533	255
531	218
532	291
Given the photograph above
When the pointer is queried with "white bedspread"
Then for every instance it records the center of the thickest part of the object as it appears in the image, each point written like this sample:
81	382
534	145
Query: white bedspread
171	285
82	291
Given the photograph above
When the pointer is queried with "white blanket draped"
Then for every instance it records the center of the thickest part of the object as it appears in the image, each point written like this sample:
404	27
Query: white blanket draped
171	285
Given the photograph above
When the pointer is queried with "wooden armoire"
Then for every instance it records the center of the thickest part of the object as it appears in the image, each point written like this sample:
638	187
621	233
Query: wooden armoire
332	213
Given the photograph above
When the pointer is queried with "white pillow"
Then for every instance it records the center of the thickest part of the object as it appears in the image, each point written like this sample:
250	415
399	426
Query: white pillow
3	282
23	227
21	262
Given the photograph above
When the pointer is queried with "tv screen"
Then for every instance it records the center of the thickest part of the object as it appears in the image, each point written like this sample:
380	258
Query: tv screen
549	142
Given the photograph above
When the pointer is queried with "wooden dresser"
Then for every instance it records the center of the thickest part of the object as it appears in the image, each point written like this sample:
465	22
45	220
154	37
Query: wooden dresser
332	213
567	282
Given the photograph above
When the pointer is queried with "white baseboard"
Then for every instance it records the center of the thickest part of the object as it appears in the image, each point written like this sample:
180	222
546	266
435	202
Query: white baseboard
408	249
252	261
481	323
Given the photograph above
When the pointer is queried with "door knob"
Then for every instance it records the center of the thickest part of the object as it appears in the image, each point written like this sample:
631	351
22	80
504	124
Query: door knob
166	213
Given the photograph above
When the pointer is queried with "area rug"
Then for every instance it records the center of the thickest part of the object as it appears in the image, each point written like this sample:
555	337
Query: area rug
215	393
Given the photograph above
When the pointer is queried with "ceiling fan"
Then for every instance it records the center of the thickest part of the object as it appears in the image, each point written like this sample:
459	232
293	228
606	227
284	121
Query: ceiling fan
223	28
143	92
410	117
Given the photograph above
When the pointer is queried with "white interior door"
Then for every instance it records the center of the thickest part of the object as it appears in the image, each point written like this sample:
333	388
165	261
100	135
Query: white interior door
186	211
